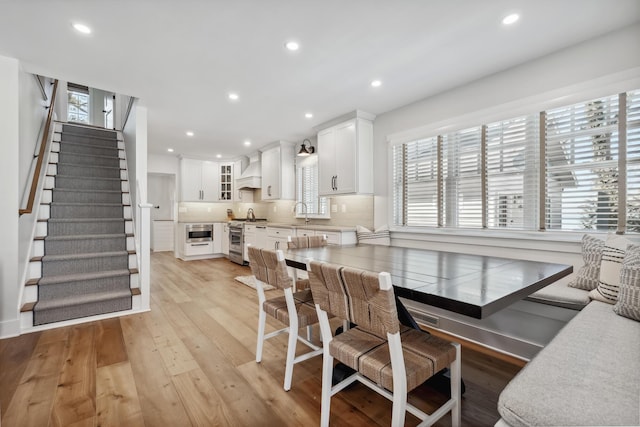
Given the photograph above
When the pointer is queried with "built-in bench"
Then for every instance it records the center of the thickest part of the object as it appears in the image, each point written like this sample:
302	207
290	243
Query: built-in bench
589	374
559	294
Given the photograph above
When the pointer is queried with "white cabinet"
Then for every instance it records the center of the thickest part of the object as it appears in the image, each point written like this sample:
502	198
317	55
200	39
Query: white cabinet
206	181
224	239
219	238
162	236
333	237
199	248
254	235
225	192
199	180
277	237
345	158
278	172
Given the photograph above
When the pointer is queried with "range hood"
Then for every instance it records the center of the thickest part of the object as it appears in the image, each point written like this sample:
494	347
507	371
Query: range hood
252	176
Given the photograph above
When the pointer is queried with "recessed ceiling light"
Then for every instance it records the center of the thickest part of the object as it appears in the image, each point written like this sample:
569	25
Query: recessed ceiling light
308	115
233	96
170	150
189	133
81	28
510	19
292	46
376	83
218	156
247	143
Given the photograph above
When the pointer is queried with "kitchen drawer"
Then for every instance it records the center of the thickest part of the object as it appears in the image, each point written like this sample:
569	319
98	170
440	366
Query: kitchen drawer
333	237
249	228
198	248
306	233
280	232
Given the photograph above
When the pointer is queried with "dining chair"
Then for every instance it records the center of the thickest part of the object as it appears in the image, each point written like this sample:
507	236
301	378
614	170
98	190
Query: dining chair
388	358
304	242
296	310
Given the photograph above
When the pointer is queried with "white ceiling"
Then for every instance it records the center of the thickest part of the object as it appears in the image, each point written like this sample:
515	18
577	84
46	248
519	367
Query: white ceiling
182	58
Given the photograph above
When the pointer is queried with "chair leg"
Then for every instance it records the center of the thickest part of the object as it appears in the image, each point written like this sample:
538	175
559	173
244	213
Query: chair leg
399	407
310	333
262	319
456	379
325	402
291	355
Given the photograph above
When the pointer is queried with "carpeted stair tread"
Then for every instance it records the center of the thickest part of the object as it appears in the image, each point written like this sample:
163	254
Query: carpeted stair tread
84	204
67	220
74	190
113	137
73	300
84	165
52	280
83	256
86	236
86	177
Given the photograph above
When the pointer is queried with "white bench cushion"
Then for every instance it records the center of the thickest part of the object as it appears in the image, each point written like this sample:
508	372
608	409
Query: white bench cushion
589	374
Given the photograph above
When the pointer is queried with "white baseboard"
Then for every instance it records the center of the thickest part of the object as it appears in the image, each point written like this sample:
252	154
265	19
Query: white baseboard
10	328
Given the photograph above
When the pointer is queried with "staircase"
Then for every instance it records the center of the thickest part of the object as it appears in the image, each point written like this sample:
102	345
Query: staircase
84	263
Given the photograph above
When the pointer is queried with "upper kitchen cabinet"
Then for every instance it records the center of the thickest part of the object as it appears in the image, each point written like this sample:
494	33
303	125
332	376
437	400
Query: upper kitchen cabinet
226	181
278	172
199	180
345	156
205	181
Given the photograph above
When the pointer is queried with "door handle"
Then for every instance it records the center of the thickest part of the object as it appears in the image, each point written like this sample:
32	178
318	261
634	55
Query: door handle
269	190
199	244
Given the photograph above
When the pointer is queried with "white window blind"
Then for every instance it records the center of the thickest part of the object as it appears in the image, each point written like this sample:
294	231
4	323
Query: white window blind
582	166
512	173
633	161
421	182
462	155
308	188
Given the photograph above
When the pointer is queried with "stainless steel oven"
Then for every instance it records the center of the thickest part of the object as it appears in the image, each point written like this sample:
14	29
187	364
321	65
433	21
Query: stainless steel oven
236	242
198	233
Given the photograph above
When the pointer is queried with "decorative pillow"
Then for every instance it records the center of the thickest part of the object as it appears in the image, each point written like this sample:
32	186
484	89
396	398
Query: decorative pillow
589	274
612	256
378	237
628	304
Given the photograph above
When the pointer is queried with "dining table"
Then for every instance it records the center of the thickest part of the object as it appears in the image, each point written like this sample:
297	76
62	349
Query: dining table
475	285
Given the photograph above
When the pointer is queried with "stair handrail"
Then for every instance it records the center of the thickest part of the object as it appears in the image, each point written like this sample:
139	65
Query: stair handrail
41	153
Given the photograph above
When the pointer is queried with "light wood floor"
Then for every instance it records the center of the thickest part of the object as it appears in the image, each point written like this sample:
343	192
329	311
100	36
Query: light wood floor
191	361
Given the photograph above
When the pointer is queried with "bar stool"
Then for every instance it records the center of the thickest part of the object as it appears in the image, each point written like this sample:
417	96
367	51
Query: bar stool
388	358
296	310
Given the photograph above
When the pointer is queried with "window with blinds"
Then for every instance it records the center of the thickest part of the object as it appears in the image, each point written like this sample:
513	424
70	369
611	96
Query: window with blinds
581	151
492	176
512	173
416	175
307	188
462	157
633	161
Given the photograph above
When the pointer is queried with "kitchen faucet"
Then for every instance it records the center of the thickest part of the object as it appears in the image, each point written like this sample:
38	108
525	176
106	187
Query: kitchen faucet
306	213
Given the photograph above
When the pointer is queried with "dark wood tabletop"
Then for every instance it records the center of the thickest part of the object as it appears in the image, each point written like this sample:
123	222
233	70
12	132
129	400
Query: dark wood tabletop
473	285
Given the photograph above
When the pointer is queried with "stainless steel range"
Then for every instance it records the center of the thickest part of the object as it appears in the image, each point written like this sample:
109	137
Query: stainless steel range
236	238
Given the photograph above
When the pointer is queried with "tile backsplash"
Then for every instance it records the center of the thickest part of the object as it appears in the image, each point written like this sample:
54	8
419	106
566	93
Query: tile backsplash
345	211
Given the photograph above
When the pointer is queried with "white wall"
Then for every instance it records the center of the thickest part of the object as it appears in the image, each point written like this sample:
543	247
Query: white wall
9	189
599	67
159	163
